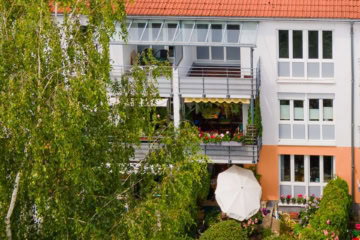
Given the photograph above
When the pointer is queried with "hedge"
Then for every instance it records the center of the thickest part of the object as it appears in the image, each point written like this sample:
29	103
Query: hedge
332	218
225	230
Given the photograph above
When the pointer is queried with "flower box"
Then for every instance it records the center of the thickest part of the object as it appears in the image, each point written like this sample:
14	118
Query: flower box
291	204
231	143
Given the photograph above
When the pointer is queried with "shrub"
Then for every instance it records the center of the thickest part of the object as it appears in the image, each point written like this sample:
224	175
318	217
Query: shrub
226	230
331	220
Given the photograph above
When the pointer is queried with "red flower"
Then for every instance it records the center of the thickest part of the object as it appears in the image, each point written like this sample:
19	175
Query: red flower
212	137
206	138
300	195
238	137
201	134
288	196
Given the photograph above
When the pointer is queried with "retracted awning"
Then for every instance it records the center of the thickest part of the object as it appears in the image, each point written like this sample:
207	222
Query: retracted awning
217	100
161	102
191	33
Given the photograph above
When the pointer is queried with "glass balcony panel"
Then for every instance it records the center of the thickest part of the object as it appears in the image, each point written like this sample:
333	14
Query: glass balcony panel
248	33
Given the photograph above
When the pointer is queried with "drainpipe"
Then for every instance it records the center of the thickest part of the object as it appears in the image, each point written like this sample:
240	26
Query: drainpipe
352	115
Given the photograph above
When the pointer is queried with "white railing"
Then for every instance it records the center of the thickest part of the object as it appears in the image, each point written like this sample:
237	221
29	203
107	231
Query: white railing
163	84
226	81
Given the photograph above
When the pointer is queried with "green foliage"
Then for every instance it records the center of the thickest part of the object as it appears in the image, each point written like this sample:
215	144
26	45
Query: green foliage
309	233
254	170
226	230
72	149
257	116
332	218
312	205
212	218
281	237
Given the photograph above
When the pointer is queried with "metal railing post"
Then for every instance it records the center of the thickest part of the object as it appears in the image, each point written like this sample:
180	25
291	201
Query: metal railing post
228	89
252	83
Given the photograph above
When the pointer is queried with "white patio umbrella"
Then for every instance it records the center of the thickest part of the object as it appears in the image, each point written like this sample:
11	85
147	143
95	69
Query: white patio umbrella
238	193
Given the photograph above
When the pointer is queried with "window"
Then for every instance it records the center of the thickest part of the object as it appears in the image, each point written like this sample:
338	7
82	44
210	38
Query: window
306	119
305	54
284	110
313	44
328	168
297	44
328	110
306	175
285	168
215	34
233	33
314	112
314	169
299	168
155	27
202	30
298	110
283	44
327	44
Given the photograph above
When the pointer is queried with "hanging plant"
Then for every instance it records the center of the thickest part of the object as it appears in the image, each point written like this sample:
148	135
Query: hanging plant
209	111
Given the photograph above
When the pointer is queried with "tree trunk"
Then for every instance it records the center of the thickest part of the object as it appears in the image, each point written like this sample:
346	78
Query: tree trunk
11	207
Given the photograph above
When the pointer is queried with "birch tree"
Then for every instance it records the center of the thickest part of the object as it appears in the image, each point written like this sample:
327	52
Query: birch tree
65	154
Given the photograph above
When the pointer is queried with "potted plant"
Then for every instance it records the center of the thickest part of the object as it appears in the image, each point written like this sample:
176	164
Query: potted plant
238	137
288	198
299	199
282	199
293	200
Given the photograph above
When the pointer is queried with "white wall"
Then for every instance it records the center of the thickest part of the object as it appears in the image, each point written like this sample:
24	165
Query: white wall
188	59
341	86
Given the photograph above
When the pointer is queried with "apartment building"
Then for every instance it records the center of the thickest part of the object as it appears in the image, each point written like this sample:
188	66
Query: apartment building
298	59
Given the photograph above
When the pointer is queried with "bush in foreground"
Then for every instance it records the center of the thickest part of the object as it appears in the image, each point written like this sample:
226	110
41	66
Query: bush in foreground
226	230
332	218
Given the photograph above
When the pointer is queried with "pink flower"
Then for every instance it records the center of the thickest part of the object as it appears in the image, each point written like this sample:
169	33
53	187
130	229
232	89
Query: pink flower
212	137
227	132
158	115
328	222
332	234
256	220
222	135
282	196
336	238
357	226
326	232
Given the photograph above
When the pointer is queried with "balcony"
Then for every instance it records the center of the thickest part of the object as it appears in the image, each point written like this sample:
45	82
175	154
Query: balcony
231	152
200	81
221	81
164	85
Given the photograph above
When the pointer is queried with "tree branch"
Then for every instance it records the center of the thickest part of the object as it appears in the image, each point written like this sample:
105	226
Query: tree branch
11	207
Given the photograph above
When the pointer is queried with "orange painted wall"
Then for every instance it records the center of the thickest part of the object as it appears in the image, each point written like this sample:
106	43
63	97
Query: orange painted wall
268	165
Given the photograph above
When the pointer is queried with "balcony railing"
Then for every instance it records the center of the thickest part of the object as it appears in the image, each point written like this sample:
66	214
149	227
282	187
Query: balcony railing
217	81
230	152
206	81
163	84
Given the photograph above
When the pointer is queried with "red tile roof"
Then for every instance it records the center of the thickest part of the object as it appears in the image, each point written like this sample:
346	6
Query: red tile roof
339	9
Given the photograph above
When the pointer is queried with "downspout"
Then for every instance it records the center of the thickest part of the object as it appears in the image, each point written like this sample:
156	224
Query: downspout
352	115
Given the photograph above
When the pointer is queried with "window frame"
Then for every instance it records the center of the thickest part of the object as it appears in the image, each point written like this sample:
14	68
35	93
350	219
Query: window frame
224	26
305	57
306	121
307	184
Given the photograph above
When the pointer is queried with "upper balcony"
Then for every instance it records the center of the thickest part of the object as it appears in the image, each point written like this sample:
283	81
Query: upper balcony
205	81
